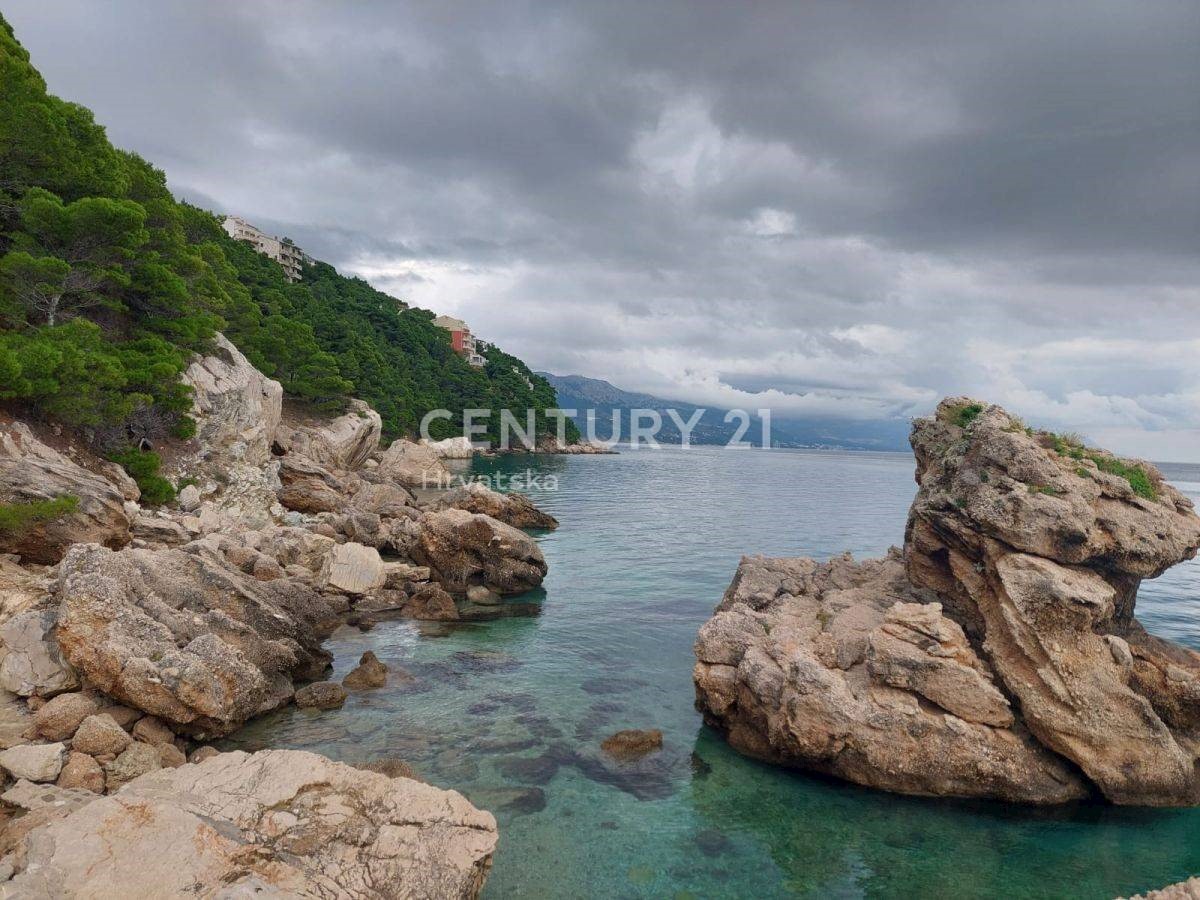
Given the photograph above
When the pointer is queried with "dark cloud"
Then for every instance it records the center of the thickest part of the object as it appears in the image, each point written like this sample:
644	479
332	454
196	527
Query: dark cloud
827	207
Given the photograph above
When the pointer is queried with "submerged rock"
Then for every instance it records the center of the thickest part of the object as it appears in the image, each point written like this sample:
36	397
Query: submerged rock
369	673
998	655
321	695
632	743
278	823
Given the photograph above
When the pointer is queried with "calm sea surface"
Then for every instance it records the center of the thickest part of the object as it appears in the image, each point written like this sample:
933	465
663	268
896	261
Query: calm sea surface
511	712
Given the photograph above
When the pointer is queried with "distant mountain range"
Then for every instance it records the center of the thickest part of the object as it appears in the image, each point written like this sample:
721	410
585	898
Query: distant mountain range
582	394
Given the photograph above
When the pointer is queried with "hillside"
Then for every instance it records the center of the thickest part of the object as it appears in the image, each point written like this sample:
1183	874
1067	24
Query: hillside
108	285
580	393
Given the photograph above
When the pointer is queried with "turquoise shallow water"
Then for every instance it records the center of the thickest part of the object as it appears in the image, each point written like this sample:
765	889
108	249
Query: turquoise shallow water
511	712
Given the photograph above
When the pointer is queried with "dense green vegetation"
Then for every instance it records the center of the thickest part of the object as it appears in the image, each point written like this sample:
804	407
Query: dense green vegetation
108	285
17	517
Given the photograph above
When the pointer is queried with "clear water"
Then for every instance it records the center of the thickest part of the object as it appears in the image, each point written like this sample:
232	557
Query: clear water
511	712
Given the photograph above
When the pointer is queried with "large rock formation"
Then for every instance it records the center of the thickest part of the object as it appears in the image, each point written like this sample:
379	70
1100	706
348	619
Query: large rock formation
185	635
275	823
345	443
463	550
30	472
237	409
998	655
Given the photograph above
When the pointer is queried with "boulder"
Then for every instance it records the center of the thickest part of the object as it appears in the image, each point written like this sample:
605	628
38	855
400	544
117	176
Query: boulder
189	498
310	488
321	695
200	754
344	443
58	719
277	823
153	731
100	734
34	762
430	603
33	664
998	655
135	760
236	407
451	447
386	500
159	530
186	636
369	673
354	568
413	465
31	472
21	587
81	772
289	546
463	549
516	510
170	756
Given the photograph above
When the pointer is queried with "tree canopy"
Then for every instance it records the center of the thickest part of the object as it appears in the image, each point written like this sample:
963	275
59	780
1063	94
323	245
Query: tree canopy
108	285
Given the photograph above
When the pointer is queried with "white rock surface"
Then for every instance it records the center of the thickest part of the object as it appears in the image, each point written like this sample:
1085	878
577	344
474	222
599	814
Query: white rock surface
279	823
236	407
343	443
32	664
355	569
34	762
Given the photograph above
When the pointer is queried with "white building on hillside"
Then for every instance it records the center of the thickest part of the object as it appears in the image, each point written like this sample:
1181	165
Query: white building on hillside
290	257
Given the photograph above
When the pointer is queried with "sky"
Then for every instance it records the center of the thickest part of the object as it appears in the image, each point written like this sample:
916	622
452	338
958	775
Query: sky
834	209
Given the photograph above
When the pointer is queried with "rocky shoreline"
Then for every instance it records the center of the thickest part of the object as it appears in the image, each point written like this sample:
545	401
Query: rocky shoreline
135	636
997	654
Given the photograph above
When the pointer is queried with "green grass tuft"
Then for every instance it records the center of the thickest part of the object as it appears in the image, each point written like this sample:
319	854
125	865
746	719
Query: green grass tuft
965	414
1137	477
1072	446
18	517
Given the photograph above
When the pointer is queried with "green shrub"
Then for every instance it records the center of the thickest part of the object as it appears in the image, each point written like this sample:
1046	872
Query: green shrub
17	517
142	466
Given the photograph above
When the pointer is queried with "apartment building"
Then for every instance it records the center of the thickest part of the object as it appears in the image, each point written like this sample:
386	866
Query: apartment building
290	257
461	339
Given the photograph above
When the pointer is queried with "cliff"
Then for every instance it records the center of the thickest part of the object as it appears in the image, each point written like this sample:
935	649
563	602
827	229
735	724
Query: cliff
135	634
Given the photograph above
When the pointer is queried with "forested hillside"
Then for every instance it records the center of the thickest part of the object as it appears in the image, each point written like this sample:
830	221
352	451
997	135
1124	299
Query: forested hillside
108	285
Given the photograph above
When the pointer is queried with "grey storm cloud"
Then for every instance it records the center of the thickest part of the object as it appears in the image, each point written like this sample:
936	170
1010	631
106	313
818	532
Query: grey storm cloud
837	209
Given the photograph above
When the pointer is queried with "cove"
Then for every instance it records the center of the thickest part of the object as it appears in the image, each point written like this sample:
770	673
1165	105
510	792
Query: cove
511	712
